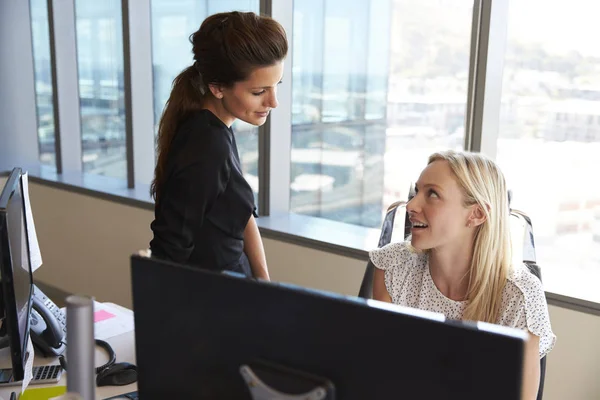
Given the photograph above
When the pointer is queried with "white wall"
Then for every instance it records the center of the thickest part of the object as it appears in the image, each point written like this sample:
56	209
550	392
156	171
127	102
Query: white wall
573	367
86	242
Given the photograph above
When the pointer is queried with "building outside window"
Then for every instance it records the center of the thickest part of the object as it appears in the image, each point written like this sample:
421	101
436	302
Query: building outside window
99	34
549	138
377	87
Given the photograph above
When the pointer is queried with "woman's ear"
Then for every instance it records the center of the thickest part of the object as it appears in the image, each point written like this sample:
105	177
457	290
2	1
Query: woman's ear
216	90
477	216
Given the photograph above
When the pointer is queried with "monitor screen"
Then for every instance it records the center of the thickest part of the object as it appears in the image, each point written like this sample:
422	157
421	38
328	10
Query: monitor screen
203	335
15	270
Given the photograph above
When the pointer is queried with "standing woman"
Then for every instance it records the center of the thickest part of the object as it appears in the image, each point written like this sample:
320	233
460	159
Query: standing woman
204	208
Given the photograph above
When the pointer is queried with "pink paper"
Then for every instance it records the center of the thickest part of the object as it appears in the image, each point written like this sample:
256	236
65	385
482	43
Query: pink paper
102	315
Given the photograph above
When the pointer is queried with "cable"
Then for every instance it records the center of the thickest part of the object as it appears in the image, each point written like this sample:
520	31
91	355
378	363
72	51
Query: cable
112	357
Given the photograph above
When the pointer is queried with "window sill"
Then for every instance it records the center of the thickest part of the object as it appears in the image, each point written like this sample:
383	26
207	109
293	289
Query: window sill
344	239
330	236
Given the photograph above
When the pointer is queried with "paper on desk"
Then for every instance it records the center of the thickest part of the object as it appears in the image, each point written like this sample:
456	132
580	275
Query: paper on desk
28	367
43	393
68	396
110	321
120	322
35	255
102	315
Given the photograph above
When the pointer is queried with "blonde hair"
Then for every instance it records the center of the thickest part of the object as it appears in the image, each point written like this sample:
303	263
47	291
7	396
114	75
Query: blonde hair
482	183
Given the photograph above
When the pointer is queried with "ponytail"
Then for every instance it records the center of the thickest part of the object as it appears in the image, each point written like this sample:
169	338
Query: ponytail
185	98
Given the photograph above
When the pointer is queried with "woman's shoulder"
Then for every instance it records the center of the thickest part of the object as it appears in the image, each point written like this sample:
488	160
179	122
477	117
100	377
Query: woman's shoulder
396	254
525	307
523	288
523	283
206	119
204	127
200	138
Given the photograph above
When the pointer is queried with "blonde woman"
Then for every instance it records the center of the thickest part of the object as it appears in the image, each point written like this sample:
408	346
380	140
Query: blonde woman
458	260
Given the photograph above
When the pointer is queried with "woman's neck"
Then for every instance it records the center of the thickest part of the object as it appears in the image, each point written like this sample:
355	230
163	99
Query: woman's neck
216	107
449	268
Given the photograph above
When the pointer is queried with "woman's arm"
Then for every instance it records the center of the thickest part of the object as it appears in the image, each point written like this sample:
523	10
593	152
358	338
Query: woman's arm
531	368
379	290
253	247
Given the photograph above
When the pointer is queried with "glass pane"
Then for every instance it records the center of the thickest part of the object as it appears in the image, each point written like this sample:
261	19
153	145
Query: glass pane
377	87
43	81
100	65
307	61
172	24
344	44
550	137
378	60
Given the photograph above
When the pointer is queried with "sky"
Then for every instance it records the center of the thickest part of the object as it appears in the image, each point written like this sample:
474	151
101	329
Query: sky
560	25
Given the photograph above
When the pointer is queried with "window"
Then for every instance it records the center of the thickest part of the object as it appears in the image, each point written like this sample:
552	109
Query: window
43	81
549	142
99	32
377	87
172	24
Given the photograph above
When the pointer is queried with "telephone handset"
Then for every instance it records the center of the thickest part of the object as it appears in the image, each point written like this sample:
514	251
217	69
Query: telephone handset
48	325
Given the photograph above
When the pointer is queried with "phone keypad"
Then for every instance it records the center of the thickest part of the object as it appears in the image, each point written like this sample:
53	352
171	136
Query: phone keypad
57	312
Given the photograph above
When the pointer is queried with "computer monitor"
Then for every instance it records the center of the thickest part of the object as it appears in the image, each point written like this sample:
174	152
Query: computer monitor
15	272
196	330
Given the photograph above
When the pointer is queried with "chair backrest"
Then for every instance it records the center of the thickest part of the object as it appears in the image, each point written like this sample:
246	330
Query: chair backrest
529	260
387	230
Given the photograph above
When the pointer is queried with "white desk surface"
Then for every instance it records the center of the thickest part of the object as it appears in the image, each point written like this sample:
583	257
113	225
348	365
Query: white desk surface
123	345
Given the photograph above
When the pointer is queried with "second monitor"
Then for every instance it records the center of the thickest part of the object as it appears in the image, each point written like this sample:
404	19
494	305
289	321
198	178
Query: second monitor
15	275
200	334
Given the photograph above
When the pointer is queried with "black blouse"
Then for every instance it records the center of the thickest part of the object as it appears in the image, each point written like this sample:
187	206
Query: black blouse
205	202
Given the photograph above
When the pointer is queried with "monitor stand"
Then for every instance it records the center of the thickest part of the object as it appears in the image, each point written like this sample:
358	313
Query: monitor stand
266	380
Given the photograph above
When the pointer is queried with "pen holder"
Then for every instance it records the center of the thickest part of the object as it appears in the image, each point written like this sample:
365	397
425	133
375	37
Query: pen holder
81	347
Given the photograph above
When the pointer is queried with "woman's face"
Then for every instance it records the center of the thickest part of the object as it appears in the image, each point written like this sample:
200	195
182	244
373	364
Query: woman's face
252	100
439	218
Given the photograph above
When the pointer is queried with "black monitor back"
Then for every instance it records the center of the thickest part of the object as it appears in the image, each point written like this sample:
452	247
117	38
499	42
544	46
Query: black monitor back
195	328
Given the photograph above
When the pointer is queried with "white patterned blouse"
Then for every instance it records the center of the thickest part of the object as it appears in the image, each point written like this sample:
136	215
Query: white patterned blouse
409	283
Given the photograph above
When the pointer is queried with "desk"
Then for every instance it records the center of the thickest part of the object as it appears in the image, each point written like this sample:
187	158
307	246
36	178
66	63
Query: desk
123	344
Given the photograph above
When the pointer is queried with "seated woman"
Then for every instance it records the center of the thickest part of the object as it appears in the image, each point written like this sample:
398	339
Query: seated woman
458	261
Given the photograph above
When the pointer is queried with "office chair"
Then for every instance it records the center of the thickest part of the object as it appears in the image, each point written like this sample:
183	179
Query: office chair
530	261
387	230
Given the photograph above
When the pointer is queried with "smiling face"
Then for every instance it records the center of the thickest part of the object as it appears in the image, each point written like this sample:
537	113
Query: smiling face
437	212
250	100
